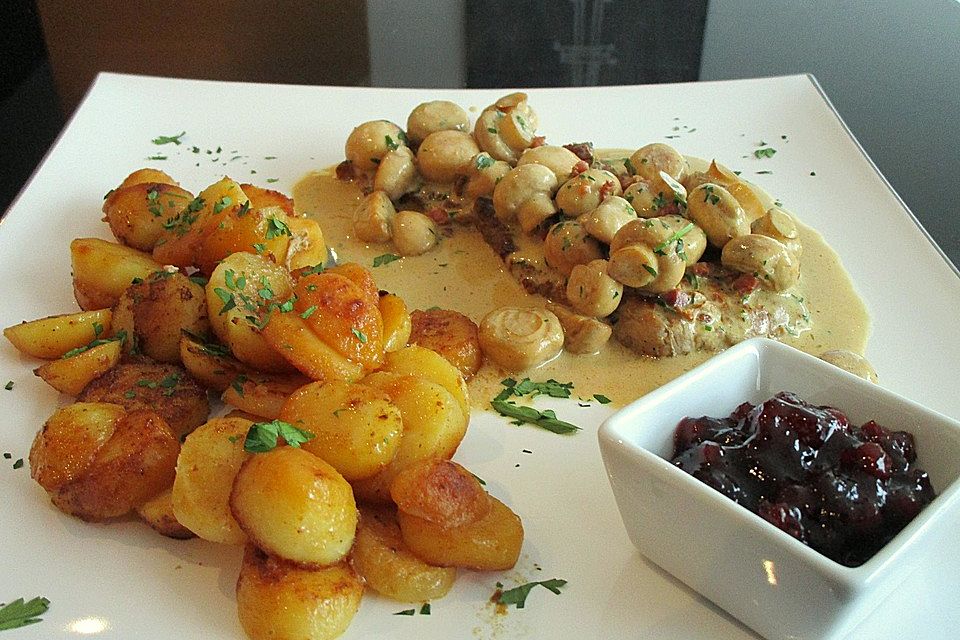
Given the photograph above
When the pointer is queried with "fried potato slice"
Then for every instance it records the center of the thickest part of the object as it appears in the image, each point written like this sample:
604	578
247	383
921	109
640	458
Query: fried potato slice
103	270
51	337
451	334
423	362
262	395
71	375
158	513
138	212
396	322
441	492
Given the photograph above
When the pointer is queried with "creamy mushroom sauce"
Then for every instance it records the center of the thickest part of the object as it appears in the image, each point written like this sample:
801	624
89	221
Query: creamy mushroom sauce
464	274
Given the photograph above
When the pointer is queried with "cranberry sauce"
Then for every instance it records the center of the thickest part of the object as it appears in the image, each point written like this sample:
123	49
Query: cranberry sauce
841	489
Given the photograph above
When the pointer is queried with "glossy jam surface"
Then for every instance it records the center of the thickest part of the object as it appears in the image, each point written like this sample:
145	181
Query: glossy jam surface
842	489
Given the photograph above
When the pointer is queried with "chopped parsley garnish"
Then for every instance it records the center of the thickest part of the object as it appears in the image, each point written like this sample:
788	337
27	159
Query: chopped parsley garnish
272	180
393	146
674	237
386	258
169	139
262	436
518	595
120	337
628	165
406	612
527	387
20	614
602	399
546	419
359	335
18	464
765	152
492	130
309	311
425	609
277	228
156	157
9	385
483	161
709	195
237	384
650	270
222	204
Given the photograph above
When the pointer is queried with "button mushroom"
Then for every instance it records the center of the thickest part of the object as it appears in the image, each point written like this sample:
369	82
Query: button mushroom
396	174
779	225
483	174
526	193
643	254
560	160
519	339
373	218
603	222
369	142
584	192
414	233
444	155
718	213
567	244
581	334
645	202
437	115
648	161
506	128
767	259
591	291
691	246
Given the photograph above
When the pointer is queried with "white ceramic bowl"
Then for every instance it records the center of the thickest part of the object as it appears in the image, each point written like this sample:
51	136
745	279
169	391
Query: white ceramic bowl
759	574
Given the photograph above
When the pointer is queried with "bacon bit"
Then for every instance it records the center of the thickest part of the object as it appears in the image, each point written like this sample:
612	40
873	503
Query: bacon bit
606	189
701	269
745	284
438	215
460	185
676	298
580	167
672	209
346	171
538	141
583	150
626	180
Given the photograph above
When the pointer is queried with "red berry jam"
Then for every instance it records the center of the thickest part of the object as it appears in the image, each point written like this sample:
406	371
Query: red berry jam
841	489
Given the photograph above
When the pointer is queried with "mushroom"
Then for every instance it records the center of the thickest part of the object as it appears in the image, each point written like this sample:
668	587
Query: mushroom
567	244
373	218
643	254
718	213
506	128
369	142
584	192
766	258
560	160
437	115
526	193
396	174
603	222
648	161
591	291
414	233
444	155
645	202
581	334
691	246
779	225
518	339
483	174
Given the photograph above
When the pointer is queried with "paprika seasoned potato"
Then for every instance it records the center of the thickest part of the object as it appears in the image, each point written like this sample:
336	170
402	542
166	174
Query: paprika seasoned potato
158	513
262	394
294	505
451	334
164	388
441	492
433	426
137	213
155	311
103	270
491	543
396	322
356	427
71	375
54	336
278	600
209	460
425	363
210	363
388	567
126	460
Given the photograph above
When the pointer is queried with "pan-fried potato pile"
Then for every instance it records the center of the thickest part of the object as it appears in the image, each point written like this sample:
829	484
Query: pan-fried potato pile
332	474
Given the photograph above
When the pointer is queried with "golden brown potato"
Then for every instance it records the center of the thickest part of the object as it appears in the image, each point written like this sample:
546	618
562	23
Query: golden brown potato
211	364
71	375
262	394
137	213
396	322
441	492
148	175
261	198
290	335
278	600
209	460
307	246
451	334
433	426
425	363
265	232
180	243
155	312
356	428
158	513
294	505
388	567
63	450
132	464
54	336
103	270
166	389
491	543
241	289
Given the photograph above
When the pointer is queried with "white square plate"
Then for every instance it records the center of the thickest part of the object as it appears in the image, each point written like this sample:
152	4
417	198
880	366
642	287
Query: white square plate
129	582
